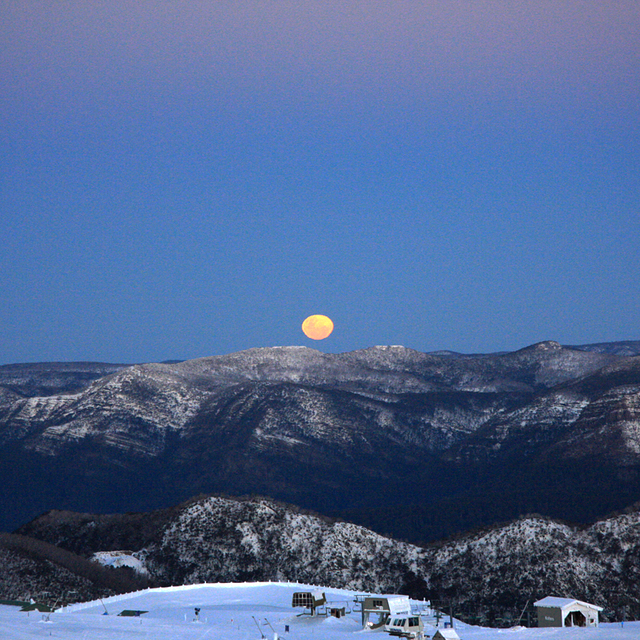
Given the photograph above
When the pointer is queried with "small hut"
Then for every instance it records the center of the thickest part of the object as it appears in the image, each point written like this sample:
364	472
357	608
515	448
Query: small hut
446	634
566	612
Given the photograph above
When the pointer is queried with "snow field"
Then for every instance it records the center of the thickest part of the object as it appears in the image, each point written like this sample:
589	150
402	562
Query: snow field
245	611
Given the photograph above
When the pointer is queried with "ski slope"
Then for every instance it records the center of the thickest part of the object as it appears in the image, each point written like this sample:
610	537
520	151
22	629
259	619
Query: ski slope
246	611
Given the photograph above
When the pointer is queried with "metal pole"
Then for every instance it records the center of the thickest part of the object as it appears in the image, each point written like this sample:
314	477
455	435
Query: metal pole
259	629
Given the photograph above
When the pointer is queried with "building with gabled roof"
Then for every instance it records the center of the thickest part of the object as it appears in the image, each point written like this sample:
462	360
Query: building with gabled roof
446	634
566	612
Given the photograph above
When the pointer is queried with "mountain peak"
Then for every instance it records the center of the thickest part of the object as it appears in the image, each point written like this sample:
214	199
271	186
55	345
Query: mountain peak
545	345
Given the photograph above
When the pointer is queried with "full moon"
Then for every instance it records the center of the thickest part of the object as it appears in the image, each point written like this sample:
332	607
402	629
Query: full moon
317	327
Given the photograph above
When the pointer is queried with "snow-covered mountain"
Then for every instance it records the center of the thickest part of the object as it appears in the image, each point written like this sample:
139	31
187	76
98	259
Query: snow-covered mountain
394	437
508	568
223	539
135	409
489	576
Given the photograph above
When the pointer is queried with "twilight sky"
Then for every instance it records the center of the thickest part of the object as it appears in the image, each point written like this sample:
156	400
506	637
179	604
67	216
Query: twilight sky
182	179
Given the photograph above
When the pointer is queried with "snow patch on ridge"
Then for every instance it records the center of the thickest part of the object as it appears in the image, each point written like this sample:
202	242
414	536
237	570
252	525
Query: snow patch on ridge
117	559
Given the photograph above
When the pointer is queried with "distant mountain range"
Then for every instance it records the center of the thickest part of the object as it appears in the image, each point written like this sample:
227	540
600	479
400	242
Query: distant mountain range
416	445
491	577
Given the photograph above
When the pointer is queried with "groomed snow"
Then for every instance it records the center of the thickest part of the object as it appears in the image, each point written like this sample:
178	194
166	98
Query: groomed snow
230	612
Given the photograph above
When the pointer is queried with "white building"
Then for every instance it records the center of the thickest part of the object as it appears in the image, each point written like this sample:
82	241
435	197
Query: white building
566	612
382	608
446	634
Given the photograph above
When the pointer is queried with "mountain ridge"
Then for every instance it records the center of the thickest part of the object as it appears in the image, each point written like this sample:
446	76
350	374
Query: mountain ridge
489	576
479	437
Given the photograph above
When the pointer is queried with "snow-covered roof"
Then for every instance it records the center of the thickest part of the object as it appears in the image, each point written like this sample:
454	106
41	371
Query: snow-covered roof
399	605
563	603
448	634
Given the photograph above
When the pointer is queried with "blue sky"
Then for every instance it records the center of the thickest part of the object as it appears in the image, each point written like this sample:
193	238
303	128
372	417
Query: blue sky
182	179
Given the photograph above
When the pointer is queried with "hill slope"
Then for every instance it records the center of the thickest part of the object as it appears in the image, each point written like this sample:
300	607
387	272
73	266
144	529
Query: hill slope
485	576
391	436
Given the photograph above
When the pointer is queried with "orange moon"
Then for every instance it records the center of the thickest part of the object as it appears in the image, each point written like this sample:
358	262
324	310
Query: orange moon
317	327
